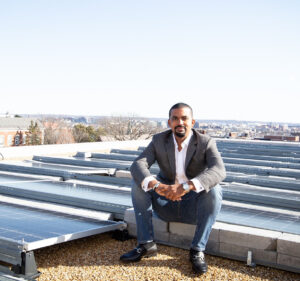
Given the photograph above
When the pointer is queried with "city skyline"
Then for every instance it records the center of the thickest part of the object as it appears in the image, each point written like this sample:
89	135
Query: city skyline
229	60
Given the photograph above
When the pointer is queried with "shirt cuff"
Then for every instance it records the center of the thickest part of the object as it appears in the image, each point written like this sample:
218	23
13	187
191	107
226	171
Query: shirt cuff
145	183
197	185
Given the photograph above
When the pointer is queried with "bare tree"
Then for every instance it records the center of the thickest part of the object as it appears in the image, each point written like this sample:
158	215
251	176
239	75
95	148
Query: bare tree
129	127
57	131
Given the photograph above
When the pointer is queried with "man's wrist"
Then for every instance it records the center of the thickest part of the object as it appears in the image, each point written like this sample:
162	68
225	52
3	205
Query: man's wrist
156	185
186	187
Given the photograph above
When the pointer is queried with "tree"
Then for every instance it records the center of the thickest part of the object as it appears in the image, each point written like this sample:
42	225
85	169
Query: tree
129	128
18	139
82	133
33	135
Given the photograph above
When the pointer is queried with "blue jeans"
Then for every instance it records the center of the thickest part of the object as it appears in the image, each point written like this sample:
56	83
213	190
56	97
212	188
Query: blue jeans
200	209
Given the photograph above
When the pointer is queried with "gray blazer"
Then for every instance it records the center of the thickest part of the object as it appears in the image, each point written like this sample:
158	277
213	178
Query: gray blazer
203	160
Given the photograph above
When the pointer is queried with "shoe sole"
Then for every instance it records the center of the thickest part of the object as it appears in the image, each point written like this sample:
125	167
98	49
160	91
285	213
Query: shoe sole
145	256
199	271
150	255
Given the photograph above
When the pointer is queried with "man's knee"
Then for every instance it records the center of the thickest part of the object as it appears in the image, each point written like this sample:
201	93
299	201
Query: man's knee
212	199
139	196
217	193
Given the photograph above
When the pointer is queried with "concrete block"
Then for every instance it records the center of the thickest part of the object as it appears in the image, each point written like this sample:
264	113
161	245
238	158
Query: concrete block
249	237
289	244
215	234
233	250
182	229
264	256
123	174
180	241
212	247
162	237
158	235
289	261
129	216
185	242
241	252
131	229
160	225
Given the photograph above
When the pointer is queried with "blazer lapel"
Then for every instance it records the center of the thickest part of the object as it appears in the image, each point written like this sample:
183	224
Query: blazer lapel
190	151
170	148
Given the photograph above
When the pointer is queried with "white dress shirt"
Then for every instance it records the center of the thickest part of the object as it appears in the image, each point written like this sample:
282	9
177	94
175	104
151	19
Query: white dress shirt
180	164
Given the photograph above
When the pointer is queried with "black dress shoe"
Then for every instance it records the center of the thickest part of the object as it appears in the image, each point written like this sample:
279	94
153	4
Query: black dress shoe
198	261
142	250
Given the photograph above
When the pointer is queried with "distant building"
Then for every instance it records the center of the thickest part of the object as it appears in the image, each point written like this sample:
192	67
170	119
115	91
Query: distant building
162	124
281	138
233	135
197	125
13	130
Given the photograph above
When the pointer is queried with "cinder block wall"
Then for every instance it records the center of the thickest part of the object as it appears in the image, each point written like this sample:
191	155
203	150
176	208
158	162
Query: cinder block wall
269	248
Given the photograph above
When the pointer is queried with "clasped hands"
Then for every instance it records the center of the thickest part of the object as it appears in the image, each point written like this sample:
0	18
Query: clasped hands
172	192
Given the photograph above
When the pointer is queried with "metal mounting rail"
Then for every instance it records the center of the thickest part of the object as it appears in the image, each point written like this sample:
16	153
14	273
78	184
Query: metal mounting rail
264	163
125	165
124	151
97	163
57	171
260	157
252	162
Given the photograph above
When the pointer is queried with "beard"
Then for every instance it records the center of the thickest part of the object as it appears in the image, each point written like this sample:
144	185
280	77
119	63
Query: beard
180	134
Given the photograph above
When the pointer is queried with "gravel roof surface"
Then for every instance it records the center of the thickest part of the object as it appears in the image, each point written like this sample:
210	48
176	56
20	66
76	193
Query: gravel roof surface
97	258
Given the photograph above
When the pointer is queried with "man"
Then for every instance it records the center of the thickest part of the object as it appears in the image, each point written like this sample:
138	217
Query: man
186	188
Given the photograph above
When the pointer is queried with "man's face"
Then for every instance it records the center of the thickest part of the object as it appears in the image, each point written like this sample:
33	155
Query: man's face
181	122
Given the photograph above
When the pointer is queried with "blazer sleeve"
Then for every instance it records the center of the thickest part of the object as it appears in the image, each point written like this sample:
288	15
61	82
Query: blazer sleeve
141	165
215	170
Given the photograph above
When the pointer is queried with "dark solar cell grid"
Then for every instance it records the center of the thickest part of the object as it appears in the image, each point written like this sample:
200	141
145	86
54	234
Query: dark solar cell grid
23	223
262	219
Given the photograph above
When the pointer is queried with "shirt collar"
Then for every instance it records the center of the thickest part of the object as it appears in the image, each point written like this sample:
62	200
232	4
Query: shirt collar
185	142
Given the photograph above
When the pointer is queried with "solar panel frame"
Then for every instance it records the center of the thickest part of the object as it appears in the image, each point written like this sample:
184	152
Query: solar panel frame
42	238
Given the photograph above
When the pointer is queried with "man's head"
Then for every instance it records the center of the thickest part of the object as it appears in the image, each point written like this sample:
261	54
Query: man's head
181	119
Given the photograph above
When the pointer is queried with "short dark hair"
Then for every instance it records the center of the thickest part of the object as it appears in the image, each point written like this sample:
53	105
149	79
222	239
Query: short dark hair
180	105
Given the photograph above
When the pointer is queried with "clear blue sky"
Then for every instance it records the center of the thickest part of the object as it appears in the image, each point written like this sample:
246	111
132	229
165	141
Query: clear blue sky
228	59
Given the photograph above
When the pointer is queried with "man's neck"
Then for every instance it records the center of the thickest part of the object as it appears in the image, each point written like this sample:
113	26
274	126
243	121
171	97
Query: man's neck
180	141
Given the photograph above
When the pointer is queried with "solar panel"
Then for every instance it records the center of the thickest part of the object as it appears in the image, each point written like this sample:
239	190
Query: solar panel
262	195
7	277
272	182
24	229
93	197
261	219
265	163
259	170
36	228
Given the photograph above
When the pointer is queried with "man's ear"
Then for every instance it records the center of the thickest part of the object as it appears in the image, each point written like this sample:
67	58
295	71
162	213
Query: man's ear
169	123
193	122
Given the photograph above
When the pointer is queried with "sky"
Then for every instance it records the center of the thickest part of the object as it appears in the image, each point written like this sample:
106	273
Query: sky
237	60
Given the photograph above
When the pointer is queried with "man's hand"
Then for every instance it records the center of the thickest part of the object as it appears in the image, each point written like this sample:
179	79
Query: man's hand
172	192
